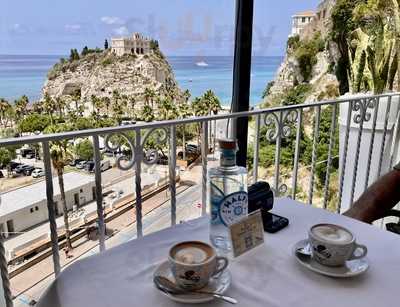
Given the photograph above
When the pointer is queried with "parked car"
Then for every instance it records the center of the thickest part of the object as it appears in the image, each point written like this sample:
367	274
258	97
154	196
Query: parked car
14	165
81	165
190	148
21	168
105	165
89	166
38	173
74	162
28	170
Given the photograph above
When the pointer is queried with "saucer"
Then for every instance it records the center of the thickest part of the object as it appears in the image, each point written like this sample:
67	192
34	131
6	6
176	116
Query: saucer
217	284
350	269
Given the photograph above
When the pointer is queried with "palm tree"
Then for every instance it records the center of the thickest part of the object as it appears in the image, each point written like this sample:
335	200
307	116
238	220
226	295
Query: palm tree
60	153
149	96
98	105
60	104
49	106
38	106
107	103
132	103
147	113
4	106
21	106
212	102
184	111
76	97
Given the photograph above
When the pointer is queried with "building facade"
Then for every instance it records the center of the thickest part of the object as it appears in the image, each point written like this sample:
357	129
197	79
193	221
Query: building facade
26	207
136	44
300	21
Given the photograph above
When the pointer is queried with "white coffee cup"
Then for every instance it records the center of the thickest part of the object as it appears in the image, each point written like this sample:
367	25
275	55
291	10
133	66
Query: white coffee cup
194	263
333	245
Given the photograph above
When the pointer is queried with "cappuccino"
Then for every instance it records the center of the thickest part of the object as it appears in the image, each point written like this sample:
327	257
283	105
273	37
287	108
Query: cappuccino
191	253
193	263
332	234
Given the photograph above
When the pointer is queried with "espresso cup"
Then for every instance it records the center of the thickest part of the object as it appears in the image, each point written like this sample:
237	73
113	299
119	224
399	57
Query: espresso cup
333	245
194	263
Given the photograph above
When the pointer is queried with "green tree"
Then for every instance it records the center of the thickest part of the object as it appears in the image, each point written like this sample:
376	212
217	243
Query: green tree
49	106
147	114
74	55
149	96
34	123
21	106
85	51
6	156
4	112
61	155
84	150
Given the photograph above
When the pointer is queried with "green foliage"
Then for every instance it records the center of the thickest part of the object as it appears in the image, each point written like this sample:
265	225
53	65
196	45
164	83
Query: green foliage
83	123
74	55
305	53
34	122
296	94
267	90
342	25
84	150
85	51
7	155
106	62
293	42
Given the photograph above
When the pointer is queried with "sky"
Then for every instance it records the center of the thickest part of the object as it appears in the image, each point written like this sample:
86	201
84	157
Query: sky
182	27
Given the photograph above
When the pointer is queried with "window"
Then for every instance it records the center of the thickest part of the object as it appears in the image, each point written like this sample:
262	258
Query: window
303	19
31	210
37	208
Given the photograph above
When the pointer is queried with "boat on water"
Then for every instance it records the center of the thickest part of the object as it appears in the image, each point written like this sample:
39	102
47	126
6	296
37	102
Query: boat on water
202	64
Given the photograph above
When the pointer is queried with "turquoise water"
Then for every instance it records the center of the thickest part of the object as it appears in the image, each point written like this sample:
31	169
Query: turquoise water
26	74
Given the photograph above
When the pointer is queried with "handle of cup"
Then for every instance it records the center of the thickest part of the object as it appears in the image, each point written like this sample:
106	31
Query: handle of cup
363	254
222	264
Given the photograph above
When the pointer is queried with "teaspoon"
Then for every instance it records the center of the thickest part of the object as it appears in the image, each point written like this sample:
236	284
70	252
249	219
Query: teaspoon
166	285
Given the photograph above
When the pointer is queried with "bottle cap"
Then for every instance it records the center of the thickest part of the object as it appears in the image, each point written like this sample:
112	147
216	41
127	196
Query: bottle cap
227	143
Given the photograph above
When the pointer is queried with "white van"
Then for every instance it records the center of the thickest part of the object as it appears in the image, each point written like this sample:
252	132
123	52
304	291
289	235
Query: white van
105	165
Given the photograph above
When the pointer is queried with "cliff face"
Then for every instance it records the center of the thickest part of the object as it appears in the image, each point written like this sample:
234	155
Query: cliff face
102	73
322	80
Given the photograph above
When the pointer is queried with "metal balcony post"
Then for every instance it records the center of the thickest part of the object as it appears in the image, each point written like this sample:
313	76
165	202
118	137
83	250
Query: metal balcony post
242	74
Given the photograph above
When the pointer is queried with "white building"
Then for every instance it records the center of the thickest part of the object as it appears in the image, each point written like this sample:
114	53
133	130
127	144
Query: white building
27	207
136	44
300	21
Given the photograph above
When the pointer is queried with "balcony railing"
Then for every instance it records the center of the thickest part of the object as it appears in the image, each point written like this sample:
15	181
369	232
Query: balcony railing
351	142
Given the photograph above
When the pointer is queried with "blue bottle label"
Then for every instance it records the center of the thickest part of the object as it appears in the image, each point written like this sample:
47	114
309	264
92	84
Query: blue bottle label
233	207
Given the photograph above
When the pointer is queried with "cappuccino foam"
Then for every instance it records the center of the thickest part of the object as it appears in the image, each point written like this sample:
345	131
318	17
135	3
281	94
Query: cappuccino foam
331	233
191	254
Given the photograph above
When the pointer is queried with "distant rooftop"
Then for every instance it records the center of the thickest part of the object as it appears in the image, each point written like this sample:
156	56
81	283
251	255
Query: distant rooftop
27	196
305	14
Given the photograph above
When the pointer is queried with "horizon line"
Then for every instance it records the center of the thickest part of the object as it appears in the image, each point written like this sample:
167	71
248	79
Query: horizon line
198	56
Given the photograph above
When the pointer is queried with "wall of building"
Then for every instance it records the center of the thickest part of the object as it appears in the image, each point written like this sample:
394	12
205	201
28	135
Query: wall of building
132	45
37	213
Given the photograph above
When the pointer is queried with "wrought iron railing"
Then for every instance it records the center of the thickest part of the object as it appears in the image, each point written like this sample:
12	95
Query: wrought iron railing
366	149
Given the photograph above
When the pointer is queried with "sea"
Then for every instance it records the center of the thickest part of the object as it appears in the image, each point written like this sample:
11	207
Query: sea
26	74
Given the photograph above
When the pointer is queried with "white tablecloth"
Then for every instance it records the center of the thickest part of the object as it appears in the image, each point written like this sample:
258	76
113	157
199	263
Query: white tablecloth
267	276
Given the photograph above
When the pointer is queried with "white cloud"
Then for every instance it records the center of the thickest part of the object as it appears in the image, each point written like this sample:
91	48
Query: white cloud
121	31
112	20
72	27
